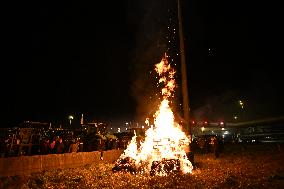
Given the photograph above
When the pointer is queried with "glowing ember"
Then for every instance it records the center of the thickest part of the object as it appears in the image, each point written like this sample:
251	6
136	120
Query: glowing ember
165	145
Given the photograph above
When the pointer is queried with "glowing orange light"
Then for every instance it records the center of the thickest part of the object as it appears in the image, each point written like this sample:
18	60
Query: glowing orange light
164	140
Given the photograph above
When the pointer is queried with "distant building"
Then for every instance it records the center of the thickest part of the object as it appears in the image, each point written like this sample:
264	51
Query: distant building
34	124
96	127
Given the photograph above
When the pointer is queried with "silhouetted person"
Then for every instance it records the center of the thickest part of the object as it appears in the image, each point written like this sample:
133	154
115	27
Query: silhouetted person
201	144
45	147
81	146
74	146
216	147
190	154
60	147
52	147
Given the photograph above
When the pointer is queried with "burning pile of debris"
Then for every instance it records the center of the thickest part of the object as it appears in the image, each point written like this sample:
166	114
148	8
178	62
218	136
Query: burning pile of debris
126	164
165	147
165	167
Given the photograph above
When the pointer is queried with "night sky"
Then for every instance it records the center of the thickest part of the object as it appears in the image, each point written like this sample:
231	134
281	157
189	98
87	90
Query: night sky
72	57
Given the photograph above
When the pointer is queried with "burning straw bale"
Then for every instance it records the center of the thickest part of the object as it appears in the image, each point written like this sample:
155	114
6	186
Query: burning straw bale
125	164
165	167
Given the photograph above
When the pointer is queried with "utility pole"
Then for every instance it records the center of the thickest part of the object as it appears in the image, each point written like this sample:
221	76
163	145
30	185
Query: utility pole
184	75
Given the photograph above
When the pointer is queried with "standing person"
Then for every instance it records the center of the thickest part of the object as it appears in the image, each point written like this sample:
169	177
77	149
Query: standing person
45	147
201	143
52	147
73	146
216	147
81	145
60	147
191	154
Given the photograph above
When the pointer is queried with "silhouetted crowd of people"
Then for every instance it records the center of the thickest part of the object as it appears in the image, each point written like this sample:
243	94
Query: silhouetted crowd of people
208	144
41	142
57	146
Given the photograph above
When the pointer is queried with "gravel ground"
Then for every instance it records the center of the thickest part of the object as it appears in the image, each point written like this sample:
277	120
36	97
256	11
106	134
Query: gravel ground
239	166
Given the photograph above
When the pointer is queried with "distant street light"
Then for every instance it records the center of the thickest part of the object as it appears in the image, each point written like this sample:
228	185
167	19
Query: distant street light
241	104
70	117
242	112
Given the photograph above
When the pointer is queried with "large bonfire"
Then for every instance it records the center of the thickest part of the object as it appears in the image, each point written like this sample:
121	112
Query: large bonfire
164	149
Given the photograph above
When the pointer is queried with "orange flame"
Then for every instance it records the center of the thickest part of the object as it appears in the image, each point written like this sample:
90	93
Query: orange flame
165	71
165	140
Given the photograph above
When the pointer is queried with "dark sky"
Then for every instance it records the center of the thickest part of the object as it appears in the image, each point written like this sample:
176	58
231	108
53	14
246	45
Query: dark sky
94	57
